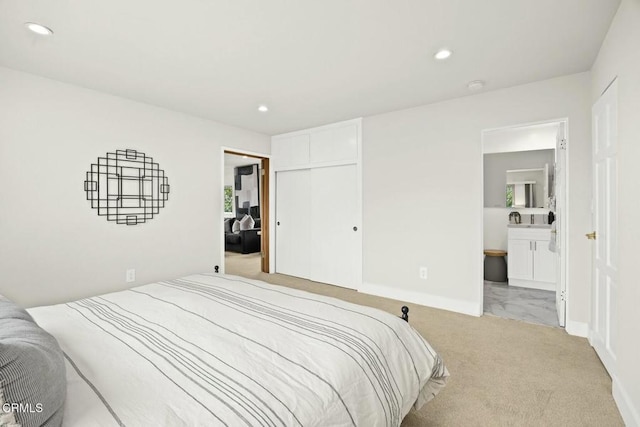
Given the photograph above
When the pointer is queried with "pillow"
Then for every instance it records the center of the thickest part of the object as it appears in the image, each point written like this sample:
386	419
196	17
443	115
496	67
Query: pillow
247	223
236	227
33	384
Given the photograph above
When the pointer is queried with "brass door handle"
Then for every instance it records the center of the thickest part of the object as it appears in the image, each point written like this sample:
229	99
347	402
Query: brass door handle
591	236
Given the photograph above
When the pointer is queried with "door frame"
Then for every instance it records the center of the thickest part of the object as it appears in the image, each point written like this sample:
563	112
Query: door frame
563	274
267	205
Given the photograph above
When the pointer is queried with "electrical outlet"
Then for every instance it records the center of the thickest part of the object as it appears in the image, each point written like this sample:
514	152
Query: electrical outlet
131	275
423	273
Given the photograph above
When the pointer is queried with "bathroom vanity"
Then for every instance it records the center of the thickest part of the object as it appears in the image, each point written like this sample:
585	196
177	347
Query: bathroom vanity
530	262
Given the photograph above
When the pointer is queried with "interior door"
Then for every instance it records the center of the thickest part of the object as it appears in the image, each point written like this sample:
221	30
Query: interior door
560	200
293	223
605	207
335	226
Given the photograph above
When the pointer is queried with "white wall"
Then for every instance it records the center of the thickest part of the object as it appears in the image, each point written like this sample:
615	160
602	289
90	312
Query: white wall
524	138
54	247
423	185
620	56
495	228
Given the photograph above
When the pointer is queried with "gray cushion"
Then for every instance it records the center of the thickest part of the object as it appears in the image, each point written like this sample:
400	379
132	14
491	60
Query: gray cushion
32	372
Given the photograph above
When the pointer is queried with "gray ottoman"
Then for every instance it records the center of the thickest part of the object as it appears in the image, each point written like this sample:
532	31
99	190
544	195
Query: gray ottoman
495	266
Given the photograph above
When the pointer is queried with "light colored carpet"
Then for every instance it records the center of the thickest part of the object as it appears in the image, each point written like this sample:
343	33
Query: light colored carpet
503	372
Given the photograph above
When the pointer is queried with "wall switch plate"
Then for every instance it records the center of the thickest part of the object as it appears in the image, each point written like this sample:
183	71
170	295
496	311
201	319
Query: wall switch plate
423	273
131	275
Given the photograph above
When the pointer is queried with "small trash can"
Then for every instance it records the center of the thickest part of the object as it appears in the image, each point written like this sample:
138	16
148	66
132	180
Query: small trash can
495	266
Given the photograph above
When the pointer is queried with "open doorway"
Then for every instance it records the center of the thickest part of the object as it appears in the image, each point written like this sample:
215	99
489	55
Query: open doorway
524	222
246	213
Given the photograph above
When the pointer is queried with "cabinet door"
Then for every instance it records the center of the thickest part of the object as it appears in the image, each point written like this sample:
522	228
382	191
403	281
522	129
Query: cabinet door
520	265
544	262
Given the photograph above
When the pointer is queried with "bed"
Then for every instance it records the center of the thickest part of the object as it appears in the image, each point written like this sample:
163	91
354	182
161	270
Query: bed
212	349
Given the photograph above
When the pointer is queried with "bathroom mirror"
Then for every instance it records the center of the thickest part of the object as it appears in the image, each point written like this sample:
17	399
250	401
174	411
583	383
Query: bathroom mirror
527	188
521	195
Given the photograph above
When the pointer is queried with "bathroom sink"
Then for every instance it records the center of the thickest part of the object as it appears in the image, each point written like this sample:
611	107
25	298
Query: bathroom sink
529	225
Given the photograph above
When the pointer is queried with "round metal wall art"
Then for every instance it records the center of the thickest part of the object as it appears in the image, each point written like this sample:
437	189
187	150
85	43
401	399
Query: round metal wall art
127	187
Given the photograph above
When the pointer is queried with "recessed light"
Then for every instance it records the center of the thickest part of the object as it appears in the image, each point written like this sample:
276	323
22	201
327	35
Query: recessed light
245	157
263	108
443	54
38	28
475	85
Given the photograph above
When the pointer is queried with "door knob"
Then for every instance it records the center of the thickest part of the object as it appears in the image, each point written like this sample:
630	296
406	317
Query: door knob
591	236
355	228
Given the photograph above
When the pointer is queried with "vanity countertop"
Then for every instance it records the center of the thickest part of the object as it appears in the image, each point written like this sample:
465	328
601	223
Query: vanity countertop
529	225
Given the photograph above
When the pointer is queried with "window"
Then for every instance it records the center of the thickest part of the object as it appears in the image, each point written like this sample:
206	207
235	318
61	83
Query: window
228	199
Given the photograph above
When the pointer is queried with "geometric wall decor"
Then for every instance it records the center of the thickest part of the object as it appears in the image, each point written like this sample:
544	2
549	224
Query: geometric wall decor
127	187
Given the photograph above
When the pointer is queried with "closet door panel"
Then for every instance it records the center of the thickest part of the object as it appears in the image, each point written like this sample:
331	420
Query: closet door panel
335	254
293	226
290	151
334	145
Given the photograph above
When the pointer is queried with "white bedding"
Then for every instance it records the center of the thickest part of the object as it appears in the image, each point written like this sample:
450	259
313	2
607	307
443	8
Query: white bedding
212	350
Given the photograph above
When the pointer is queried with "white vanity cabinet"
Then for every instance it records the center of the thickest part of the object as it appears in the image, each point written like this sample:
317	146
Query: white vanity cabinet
530	262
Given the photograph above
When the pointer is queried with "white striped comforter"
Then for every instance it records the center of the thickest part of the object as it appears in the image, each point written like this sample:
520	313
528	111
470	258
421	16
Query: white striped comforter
214	350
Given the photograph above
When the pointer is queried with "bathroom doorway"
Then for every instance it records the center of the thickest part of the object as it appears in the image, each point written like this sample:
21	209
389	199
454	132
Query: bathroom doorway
524	222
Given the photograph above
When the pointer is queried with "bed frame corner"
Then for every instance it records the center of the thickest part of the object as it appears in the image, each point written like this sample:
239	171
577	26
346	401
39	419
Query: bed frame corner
405	313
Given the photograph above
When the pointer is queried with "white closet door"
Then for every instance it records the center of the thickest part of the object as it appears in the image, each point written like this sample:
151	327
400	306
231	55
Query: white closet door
335	229
293	222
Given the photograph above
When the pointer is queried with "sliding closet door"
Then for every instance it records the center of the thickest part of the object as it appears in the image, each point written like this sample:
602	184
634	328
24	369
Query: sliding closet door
293	226
335	228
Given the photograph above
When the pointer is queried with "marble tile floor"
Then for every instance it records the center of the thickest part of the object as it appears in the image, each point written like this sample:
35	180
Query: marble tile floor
528	305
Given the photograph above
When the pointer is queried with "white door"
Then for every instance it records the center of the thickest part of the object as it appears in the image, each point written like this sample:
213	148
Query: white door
293	224
335	230
560	200
605	208
520	259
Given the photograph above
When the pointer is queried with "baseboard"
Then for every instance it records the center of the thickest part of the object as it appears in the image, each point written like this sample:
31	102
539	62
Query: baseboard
578	329
630	414
458	306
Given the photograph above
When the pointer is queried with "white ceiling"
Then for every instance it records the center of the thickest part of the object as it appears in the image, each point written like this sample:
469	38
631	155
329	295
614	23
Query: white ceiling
312	62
